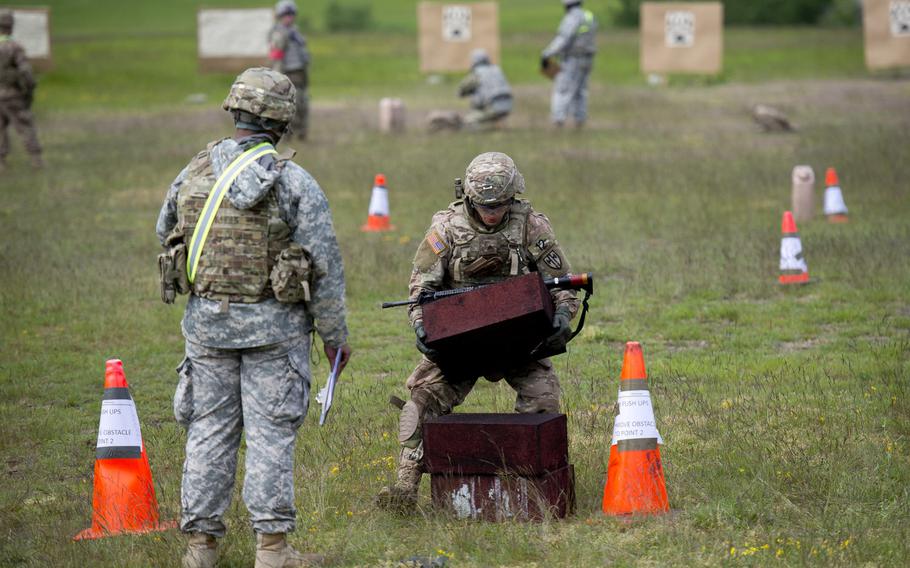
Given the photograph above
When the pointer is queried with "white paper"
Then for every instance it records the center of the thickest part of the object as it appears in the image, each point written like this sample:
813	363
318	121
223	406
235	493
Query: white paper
31	31
456	23
900	18
119	424
234	33
635	420
791	254
327	393
679	29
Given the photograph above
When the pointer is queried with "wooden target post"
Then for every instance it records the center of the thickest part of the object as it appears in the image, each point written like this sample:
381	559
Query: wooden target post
682	37
886	30
449	32
229	41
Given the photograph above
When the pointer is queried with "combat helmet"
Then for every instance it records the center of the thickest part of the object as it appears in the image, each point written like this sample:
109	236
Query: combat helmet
492	178
6	21
261	97
285	7
479	56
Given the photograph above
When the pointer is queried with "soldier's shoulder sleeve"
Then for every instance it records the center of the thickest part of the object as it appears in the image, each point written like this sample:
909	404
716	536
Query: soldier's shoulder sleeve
543	247
435	246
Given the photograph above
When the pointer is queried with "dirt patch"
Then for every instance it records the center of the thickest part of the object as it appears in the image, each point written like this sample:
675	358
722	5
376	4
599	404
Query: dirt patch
802	345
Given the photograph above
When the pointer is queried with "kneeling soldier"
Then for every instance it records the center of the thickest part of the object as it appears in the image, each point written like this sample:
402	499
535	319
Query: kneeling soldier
488	236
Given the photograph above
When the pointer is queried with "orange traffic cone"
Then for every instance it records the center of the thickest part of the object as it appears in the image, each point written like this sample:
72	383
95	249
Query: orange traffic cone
793	267
124	496
635	476
835	208
378	218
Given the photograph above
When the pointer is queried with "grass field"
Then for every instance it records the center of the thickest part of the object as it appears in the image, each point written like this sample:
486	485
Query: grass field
785	412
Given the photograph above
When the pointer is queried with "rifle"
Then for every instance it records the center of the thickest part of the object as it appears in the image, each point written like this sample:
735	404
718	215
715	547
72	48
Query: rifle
584	281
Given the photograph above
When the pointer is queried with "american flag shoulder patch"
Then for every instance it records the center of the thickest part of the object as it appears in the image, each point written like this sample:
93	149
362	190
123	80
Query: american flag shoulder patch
436	243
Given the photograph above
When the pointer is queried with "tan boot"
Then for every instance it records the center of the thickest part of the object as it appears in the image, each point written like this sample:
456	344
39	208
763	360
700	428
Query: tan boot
273	551
402	496
201	551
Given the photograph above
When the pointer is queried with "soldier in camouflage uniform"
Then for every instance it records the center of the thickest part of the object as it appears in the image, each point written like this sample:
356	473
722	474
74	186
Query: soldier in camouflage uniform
574	44
269	271
491	95
289	54
488	236
17	89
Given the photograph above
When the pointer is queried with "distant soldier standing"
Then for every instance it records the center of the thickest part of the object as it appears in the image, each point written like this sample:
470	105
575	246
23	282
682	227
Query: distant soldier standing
17	89
249	234
488	236
289	55
491	95
574	44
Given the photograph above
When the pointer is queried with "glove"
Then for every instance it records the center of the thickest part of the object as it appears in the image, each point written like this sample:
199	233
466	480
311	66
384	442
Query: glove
544	63
561	329
421	333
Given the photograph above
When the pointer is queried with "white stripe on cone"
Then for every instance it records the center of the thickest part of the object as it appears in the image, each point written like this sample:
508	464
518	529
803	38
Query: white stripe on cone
834	201
791	255
379	201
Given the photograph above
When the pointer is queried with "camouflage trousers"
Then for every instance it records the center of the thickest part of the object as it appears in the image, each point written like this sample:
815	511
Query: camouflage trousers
435	394
488	117
301	121
570	90
221	393
15	112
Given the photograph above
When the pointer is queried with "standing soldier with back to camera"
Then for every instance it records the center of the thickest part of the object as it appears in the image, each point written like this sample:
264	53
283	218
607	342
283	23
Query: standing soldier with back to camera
491	95
488	236
17	90
574	45
289	55
248	233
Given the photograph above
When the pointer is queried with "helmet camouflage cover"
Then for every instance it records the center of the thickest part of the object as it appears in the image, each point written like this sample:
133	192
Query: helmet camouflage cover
263	92
492	178
6	20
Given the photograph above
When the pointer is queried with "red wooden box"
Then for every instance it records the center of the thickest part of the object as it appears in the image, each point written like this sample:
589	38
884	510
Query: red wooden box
522	444
493	324
507	497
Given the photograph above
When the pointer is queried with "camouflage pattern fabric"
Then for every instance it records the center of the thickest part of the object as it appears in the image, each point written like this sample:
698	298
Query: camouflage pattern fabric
17	87
570	91
222	393
303	206
300	124
575	35
487	85
263	92
289	54
492	178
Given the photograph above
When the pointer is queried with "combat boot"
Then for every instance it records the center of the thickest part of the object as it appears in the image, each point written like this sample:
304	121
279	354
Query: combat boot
273	551
402	496
201	551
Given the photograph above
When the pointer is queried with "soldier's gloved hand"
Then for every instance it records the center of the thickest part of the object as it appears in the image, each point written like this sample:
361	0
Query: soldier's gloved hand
421	333
562	331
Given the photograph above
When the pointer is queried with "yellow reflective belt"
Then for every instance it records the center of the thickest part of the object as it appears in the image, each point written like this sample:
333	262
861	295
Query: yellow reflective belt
589	19
213	202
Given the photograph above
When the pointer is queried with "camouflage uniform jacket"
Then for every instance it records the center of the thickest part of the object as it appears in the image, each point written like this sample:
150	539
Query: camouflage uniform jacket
287	49
303	206
575	36
16	79
485	83
460	250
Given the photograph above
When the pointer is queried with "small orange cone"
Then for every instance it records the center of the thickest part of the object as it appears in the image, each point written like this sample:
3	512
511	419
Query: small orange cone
835	208
378	217
793	267
124	495
635	476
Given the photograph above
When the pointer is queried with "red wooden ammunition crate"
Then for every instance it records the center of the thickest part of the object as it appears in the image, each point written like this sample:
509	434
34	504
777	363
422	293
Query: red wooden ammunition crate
522	444
498	322
506	497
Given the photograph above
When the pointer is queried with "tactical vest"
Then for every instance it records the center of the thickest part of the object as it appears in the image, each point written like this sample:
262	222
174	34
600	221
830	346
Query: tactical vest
491	83
481	258
242	244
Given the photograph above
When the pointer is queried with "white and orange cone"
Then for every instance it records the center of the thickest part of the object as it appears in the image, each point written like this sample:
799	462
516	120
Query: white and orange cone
635	475
123	499
835	208
793	267
378	218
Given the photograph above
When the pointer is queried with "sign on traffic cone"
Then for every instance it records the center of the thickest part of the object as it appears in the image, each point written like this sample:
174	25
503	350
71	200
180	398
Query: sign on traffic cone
793	267
635	475
378	218
123	500
835	208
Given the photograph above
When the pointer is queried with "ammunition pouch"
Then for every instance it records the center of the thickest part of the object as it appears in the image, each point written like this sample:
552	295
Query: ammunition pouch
291	275
172	268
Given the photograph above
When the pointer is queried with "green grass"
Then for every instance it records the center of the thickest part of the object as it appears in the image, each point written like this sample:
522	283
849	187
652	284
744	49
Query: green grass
785	411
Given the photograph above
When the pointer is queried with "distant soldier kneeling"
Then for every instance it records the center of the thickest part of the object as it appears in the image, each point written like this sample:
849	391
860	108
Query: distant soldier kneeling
486	237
